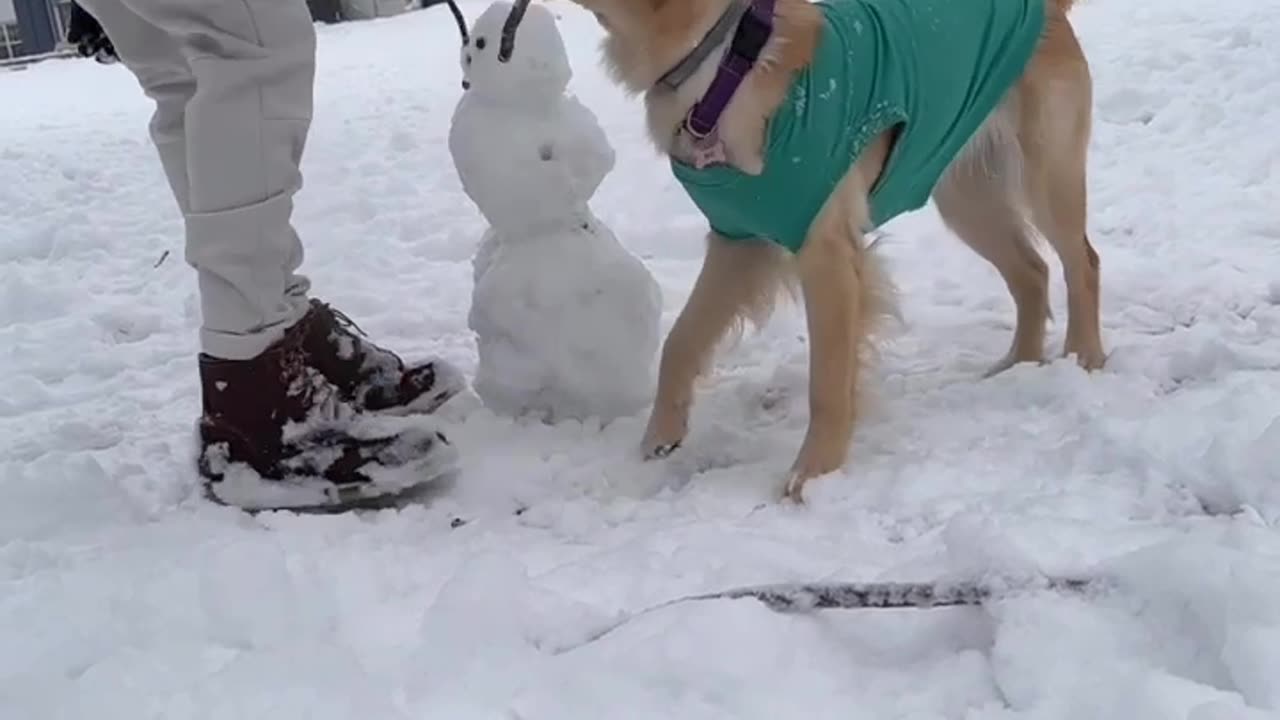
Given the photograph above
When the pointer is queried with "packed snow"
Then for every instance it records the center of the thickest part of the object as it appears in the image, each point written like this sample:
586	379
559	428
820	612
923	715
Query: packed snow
125	595
566	319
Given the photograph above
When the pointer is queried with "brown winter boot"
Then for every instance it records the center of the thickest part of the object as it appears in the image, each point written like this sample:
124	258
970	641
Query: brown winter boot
370	377
276	433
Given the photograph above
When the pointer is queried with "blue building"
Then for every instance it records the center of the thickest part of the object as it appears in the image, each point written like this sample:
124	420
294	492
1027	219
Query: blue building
32	27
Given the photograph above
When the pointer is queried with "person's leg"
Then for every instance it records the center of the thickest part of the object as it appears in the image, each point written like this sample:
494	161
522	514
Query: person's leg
232	85
367	375
155	59
242	163
244	126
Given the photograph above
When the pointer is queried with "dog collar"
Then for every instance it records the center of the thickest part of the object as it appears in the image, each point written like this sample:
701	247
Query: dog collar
754	28
685	69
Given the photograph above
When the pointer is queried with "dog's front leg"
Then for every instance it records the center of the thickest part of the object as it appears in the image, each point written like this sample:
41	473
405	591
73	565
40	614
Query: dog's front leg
831	298
842	295
739	279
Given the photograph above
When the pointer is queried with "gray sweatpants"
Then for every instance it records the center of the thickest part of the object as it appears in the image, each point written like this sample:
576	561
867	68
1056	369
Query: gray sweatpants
232	83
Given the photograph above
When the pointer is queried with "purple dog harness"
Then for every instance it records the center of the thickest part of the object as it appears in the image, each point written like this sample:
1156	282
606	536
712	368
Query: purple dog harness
754	27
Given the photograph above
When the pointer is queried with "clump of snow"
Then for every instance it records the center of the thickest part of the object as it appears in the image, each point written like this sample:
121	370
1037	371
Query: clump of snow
566	319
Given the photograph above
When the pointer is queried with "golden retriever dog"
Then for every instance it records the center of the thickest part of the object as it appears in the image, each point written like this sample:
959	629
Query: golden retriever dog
1023	170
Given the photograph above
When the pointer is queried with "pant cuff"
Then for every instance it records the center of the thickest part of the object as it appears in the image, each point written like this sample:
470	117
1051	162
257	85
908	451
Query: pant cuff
245	346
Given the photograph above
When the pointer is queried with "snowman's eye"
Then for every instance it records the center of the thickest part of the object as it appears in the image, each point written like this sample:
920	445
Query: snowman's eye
480	43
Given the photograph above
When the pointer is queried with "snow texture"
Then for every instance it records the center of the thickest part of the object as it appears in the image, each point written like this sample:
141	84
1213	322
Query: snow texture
126	595
566	319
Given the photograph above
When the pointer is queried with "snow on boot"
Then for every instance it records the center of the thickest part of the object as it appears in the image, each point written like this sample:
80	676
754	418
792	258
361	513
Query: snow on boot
276	434
370	377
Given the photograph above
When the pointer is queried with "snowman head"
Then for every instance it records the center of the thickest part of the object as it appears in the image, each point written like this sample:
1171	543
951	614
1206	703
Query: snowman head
538	69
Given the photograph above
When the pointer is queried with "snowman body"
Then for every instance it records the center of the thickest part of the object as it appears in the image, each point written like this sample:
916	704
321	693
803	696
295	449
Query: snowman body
566	319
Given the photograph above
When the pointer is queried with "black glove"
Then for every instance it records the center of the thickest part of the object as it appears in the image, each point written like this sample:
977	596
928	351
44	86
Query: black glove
87	35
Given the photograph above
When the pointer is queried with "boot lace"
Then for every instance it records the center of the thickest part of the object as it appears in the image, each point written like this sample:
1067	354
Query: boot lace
342	320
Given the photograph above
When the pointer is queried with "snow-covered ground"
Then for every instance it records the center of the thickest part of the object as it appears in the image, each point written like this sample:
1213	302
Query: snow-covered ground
123	595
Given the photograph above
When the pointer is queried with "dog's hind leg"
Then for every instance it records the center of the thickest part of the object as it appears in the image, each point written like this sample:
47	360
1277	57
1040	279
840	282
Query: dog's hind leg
1060	215
739	281
1054	127
980	200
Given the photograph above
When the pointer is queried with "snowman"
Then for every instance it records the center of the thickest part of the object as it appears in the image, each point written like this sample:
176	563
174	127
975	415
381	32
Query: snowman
566	319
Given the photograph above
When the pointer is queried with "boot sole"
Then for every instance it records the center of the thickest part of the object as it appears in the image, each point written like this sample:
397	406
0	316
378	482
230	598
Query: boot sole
341	499
385	501
389	487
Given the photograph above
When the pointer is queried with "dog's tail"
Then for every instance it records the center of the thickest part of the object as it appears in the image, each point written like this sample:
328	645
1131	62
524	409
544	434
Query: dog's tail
1063	6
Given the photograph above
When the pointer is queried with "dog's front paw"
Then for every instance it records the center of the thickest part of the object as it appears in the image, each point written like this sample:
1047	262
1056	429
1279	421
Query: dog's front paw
815	460
1007	362
665	433
1088	357
660	451
793	490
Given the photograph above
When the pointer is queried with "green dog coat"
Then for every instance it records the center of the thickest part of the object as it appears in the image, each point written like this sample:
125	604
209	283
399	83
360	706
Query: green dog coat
937	68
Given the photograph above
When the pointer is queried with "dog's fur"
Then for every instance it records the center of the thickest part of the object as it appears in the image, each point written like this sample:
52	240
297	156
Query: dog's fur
1023	170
